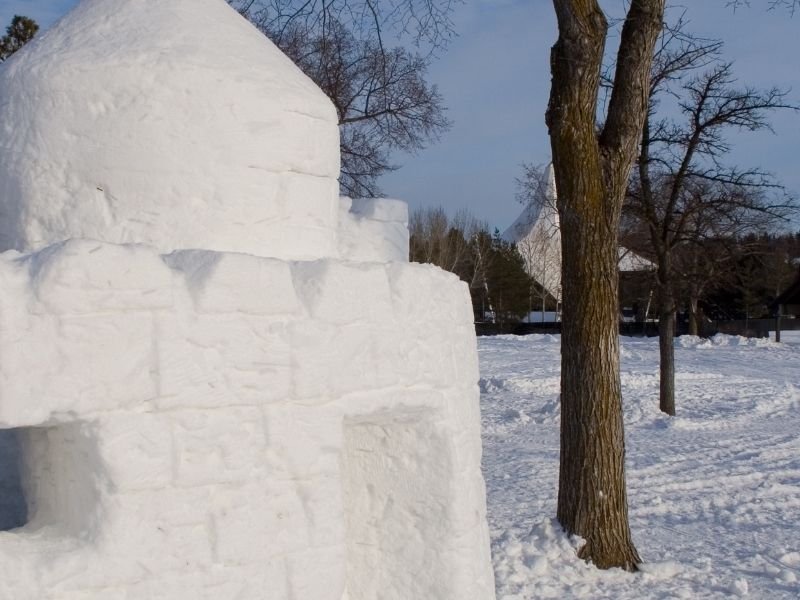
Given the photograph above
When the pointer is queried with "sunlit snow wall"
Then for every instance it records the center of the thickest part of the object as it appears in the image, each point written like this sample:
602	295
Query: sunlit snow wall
218	380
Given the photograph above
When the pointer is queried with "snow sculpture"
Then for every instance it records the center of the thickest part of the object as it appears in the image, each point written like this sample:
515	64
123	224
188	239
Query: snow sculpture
218	379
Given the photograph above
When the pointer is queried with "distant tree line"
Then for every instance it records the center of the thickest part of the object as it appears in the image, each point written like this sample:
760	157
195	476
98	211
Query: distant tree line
761	268
732	278
724	277
493	269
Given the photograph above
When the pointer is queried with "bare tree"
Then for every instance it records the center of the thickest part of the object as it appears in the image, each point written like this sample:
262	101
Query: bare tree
383	101
715	245
444	242
461	245
592	168
684	193
790	5
381	97
492	268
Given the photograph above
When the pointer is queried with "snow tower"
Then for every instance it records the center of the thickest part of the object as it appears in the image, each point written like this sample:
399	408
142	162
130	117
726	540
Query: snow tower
218	379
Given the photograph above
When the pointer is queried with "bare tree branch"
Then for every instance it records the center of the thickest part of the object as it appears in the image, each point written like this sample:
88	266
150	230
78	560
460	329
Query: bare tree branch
790	5
428	23
383	102
685	195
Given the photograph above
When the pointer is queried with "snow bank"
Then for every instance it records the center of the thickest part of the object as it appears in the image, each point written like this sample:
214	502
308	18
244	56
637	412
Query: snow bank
712	492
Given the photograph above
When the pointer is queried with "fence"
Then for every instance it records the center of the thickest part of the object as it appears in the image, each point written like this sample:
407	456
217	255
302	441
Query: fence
759	328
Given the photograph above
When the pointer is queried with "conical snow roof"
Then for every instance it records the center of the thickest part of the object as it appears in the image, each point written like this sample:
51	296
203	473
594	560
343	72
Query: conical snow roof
537	235
173	123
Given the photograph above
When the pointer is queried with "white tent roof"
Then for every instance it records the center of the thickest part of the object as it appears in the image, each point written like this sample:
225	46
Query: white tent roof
537	236
536	233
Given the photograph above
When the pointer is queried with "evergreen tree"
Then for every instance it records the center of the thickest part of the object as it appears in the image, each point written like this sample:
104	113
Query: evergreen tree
494	270
508	281
20	32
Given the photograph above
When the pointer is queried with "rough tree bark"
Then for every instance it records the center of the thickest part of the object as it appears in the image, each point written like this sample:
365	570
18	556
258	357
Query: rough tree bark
592	169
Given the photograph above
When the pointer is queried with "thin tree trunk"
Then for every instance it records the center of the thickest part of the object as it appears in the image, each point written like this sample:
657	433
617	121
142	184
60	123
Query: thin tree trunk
666	349
694	326
591	176
543	307
666	334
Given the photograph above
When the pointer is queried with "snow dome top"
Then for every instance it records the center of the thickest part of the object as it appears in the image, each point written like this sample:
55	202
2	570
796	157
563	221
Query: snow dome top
173	123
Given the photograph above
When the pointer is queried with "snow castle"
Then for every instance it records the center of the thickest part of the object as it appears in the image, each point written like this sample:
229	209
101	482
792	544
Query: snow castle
217	378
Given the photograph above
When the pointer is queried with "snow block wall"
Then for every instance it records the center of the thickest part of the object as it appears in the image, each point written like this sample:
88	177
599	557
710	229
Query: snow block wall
218	425
259	398
373	230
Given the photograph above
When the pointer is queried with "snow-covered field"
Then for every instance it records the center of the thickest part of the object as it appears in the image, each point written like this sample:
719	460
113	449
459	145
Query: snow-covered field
714	493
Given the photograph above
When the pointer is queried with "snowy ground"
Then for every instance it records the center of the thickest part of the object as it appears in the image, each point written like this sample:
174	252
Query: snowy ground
714	493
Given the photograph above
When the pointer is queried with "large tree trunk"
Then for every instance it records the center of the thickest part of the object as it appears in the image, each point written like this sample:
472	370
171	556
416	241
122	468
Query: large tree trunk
591	176
591	496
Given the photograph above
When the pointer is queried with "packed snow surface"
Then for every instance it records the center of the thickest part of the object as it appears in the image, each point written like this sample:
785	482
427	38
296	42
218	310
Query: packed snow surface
714	493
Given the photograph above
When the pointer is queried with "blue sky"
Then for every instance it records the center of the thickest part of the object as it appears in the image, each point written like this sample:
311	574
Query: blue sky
495	80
